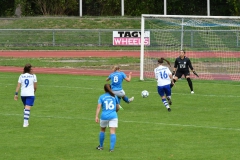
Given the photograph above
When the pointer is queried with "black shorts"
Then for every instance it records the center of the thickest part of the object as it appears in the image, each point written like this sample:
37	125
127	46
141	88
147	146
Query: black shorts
180	73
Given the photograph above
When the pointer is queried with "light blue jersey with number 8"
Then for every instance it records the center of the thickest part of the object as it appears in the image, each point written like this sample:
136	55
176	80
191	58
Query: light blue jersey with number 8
116	80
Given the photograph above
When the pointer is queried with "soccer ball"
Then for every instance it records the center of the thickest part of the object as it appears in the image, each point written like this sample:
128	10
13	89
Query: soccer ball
145	94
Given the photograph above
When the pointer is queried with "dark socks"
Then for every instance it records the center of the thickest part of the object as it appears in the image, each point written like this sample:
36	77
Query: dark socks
171	85
190	83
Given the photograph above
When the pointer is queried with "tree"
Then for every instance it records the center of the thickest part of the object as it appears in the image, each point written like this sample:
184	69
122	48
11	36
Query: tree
56	7
6	8
113	7
234	7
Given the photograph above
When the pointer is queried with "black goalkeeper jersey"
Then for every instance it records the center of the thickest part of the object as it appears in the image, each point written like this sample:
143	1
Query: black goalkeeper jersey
183	64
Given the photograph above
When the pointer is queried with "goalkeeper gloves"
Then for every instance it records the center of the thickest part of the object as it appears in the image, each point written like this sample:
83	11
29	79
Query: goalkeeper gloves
173	73
194	72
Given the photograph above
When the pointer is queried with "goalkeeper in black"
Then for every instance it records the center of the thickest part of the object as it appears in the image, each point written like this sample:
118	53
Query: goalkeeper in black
181	67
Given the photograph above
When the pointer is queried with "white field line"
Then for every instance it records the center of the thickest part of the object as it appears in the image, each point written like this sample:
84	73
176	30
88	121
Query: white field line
184	94
139	122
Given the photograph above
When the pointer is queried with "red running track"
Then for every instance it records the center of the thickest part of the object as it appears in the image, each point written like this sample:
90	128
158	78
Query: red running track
90	72
38	54
32	54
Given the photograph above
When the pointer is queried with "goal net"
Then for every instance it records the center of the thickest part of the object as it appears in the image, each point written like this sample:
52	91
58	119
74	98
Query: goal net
212	43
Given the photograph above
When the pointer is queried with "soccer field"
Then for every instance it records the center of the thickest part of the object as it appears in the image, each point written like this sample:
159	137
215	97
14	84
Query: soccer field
201	126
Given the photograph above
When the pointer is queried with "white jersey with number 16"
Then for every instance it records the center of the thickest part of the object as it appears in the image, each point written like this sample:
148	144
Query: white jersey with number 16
162	75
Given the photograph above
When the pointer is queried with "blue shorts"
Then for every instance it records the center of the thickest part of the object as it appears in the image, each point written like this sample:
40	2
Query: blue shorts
28	100
162	90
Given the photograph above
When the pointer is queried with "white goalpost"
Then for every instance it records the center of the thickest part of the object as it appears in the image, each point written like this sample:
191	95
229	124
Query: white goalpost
211	42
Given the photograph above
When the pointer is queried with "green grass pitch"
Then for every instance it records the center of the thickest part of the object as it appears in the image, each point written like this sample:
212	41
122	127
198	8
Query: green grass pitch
202	126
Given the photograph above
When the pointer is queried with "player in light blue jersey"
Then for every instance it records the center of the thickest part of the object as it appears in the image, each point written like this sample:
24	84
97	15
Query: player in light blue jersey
28	83
117	78
109	104
164	78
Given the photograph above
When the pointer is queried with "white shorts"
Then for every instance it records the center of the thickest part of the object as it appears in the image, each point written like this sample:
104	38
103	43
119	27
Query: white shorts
119	93
109	123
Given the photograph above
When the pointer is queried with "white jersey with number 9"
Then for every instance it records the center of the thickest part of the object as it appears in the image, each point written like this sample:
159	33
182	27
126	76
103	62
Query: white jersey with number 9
27	84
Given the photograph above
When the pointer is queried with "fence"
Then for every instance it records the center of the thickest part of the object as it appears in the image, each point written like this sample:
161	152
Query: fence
88	38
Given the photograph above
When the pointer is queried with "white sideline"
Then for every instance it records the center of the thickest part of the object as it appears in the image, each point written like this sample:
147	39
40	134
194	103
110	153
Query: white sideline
204	95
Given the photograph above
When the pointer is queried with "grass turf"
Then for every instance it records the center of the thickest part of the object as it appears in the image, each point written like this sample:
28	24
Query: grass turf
204	125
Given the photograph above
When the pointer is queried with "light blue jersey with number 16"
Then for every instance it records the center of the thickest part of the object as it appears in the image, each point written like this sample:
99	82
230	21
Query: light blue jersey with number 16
109	106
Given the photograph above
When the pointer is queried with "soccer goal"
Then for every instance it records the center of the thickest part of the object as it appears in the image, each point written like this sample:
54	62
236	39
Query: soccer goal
211	42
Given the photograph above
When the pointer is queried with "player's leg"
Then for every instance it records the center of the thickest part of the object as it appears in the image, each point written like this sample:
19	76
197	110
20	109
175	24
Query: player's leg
102	137
174	80
103	125
187	75
24	104
26	116
28	103
127	100
119	99
168	94
113	124
119	95
162	95
124	96
176	77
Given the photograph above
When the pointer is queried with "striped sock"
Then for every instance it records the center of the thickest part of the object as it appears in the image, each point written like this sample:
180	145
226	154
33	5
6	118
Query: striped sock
26	116
165	103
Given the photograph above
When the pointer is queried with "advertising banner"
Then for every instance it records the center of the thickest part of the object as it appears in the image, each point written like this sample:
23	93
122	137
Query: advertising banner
130	38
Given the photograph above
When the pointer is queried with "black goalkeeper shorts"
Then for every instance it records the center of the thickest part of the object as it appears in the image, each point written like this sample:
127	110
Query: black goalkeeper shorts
179	74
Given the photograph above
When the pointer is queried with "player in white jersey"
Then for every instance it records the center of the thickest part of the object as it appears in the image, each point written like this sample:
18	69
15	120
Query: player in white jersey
28	83
164	78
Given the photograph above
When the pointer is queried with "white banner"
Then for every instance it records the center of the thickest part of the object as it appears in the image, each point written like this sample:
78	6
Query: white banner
130	38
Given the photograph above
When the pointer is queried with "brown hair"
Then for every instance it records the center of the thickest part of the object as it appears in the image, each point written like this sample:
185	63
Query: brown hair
107	88
163	59
183	51
115	68
27	68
